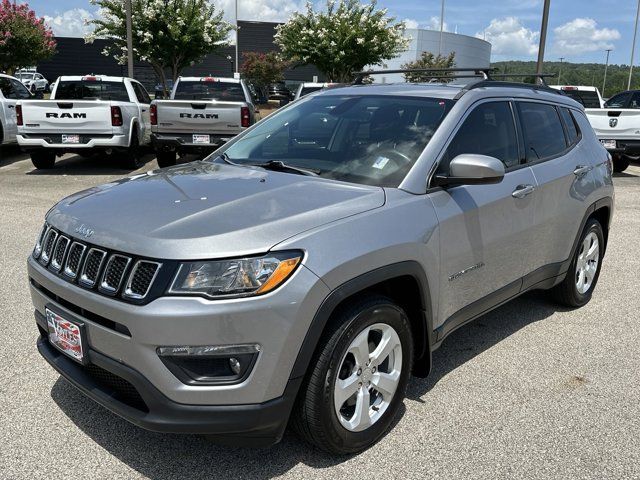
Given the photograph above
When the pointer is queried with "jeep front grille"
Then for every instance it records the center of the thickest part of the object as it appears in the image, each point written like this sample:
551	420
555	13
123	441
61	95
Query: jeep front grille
107	272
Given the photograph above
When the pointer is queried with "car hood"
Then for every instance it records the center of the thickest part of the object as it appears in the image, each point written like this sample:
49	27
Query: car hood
205	210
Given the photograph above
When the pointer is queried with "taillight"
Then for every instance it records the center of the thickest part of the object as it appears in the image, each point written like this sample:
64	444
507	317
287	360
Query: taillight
153	114
245	117
19	120
116	117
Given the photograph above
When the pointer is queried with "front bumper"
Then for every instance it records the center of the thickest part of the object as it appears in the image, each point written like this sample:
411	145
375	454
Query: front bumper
253	424
184	142
43	140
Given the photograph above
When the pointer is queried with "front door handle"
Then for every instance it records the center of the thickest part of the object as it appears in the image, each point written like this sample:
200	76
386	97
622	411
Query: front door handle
522	191
581	170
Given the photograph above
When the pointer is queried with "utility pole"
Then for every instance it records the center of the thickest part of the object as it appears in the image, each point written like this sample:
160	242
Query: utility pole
543	37
633	47
237	38
127	6
560	71
442	27
606	66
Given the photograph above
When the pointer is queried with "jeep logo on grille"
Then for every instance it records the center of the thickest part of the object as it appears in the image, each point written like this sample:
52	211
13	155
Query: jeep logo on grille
83	230
613	122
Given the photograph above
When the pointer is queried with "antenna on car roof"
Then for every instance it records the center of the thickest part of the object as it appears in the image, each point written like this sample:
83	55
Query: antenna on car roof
484	72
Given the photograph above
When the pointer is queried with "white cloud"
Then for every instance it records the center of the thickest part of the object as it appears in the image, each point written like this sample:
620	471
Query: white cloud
260	10
432	24
71	23
508	36
410	23
582	35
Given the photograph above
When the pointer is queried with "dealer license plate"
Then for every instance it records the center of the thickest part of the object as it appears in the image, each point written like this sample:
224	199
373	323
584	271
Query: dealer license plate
70	138
65	335
201	139
608	143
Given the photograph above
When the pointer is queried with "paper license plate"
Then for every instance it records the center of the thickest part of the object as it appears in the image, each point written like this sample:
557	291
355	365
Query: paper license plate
65	335
201	139
608	143
70	138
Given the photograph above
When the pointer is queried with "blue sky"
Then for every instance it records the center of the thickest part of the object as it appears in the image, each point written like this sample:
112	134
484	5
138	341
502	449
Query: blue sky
578	30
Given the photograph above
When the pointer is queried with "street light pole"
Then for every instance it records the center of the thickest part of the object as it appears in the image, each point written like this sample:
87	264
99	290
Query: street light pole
543	37
633	47
442	27
560	71
606	66
127	6
237	37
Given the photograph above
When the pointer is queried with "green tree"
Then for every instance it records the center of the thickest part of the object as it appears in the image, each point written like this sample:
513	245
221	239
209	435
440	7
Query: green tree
167	34
429	60
341	40
24	37
262	69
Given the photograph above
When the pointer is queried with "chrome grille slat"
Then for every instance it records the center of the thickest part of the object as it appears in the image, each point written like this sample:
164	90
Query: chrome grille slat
114	272
91	268
47	249
141	279
37	250
74	259
59	252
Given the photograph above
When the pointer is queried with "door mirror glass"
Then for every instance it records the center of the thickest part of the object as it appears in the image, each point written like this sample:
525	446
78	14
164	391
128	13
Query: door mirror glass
472	169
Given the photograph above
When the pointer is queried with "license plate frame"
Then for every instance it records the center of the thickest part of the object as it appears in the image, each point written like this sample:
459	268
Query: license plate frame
201	139
66	335
608	143
70	139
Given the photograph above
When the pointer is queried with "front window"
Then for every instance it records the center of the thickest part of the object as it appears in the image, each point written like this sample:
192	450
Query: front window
373	140
209	90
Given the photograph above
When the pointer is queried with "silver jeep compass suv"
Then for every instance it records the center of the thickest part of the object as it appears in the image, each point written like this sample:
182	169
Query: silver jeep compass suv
302	272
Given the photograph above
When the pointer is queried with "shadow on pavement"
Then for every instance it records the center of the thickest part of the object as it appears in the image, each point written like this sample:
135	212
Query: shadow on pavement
93	165
161	456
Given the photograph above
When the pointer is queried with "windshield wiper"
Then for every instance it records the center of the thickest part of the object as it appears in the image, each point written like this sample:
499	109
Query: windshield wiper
280	166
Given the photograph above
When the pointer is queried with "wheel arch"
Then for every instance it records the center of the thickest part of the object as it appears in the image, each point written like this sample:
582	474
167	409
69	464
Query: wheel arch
405	283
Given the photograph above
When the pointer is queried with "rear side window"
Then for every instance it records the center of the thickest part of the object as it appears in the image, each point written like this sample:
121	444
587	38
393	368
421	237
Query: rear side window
141	93
488	130
91	90
543	133
6	88
209	90
19	90
570	123
618	101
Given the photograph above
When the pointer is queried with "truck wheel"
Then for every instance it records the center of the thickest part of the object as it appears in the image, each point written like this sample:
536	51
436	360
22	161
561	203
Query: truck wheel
166	158
132	158
358	377
576	288
620	163
43	160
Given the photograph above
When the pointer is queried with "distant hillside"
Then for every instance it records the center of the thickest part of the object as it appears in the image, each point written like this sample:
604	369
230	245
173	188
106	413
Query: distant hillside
579	74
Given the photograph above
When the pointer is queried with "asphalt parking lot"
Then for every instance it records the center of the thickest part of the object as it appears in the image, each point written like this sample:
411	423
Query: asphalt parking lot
527	391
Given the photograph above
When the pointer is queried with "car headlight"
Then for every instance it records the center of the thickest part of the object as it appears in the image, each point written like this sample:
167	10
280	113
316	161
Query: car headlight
235	277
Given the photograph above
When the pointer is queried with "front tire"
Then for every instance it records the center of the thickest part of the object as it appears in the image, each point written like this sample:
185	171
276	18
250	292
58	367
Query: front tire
358	377
577	287
43	160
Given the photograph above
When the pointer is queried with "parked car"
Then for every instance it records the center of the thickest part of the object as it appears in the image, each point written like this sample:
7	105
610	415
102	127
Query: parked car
34	81
307	268
310	87
85	115
202	114
588	96
11	91
279	91
617	125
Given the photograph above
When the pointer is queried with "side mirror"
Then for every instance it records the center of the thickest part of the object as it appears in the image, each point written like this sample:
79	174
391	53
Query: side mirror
471	169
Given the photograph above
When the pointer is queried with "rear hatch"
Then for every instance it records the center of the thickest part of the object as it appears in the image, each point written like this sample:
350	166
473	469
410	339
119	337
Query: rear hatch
66	116
199	116
615	123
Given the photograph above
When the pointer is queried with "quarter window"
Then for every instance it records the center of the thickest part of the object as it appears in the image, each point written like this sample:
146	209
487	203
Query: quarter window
543	133
488	130
571	125
141	93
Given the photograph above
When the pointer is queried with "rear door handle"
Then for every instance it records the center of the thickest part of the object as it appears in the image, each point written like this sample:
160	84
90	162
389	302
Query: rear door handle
522	191
11	106
581	170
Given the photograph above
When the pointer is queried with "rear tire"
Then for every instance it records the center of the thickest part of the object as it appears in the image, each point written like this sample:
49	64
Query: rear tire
576	288
620	163
166	158
339	408
43	160
131	159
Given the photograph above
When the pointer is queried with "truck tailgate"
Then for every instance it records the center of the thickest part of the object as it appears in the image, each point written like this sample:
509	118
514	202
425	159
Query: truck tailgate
66	116
615	123
199	116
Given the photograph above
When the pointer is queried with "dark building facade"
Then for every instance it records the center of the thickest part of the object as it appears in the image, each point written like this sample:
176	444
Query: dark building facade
75	57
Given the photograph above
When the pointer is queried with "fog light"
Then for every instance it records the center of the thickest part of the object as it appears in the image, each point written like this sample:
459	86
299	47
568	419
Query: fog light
234	363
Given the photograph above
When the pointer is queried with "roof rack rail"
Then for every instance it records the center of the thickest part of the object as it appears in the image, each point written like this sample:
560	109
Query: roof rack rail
484	72
540	76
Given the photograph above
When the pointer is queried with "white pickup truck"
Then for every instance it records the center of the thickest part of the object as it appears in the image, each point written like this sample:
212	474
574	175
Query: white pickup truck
617	126
201	114
11	90
85	115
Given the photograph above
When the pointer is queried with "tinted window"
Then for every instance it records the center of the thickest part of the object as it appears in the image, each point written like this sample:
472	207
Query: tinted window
308	90
588	98
618	101
19	90
570	124
141	93
213	90
488	130
635	101
373	140
91	89
543	132
5	87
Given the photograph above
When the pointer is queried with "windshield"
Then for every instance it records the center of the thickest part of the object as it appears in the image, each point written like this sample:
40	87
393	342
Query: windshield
91	89
25	76
588	98
373	140
215	90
